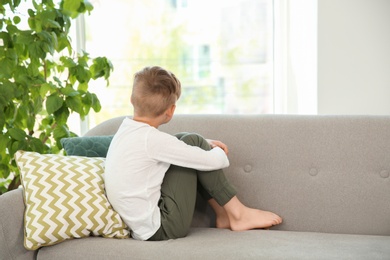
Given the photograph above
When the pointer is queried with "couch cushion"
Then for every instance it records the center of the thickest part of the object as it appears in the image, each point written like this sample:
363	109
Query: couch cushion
90	146
210	243
65	199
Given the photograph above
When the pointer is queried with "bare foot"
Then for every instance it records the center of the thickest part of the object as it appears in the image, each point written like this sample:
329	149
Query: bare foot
254	218
222	222
221	217
242	217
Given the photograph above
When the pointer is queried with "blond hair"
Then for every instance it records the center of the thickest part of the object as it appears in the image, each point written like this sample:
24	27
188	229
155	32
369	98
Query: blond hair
154	91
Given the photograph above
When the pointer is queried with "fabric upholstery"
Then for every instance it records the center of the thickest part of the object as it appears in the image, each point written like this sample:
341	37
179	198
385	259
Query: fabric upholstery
65	199
206	243
11	227
90	146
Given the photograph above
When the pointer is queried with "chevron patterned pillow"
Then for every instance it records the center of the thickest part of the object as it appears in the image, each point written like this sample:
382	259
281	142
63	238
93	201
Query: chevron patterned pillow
65	199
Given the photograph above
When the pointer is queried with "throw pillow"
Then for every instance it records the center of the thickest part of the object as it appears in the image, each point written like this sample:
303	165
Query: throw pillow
65	199
90	146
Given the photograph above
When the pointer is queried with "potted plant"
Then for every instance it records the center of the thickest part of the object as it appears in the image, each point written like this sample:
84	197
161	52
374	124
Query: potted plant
42	79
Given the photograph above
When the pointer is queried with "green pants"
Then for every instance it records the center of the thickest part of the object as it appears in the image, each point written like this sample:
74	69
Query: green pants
179	190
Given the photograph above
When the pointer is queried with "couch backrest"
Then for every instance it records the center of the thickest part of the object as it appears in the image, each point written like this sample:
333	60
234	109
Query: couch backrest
320	173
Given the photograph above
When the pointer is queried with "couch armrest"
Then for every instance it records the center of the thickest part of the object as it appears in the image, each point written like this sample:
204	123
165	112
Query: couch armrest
11	227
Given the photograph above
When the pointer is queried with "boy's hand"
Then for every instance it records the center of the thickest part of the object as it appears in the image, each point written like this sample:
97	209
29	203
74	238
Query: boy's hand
215	143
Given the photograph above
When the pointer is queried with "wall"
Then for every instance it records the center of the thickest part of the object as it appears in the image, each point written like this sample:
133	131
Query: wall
295	57
354	57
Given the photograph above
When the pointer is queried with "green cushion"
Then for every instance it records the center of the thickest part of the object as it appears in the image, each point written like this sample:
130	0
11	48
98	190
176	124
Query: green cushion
90	146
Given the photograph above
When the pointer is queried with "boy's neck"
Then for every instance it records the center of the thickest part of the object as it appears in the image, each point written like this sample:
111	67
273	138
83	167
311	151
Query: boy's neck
155	121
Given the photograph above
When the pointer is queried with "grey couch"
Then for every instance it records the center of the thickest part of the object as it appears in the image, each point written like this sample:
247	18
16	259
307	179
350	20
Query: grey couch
327	176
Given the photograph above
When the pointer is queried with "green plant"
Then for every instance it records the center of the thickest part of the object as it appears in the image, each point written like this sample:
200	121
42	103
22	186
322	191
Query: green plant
42	79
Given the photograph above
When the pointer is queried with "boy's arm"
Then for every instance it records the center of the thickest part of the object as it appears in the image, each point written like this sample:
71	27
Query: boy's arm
169	149
216	143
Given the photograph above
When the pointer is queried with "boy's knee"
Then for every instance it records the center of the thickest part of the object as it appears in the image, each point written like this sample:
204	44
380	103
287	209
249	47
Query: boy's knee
180	135
195	140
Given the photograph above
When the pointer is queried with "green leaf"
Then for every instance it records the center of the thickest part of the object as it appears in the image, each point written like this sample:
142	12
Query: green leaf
12	29
75	104
6	39
48	20
53	103
59	82
96	103
83	59
44	89
47	42
71	7
7	91
17	134
4	169
9	111
36	50
88	6
21	116
37	105
31	12
52	24
68	62
16	19
83	87
16	3
25	37
62	115
69	91
38	25
33	69
2	119
3	142
60	132
101	67
82	75
16	146
30	122
63	42
37	145
8	63
31	23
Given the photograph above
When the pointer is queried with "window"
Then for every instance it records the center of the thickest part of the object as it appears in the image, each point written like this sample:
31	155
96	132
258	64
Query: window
222	52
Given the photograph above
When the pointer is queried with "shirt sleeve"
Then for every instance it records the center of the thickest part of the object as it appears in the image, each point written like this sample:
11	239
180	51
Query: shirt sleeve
167	148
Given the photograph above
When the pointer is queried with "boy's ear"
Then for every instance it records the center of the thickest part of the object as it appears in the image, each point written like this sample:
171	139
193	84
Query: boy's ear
171	111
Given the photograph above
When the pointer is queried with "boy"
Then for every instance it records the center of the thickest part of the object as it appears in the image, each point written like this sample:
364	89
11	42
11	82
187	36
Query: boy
151	177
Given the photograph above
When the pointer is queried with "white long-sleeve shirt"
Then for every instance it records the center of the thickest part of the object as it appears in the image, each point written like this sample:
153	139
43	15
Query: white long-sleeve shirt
137	160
